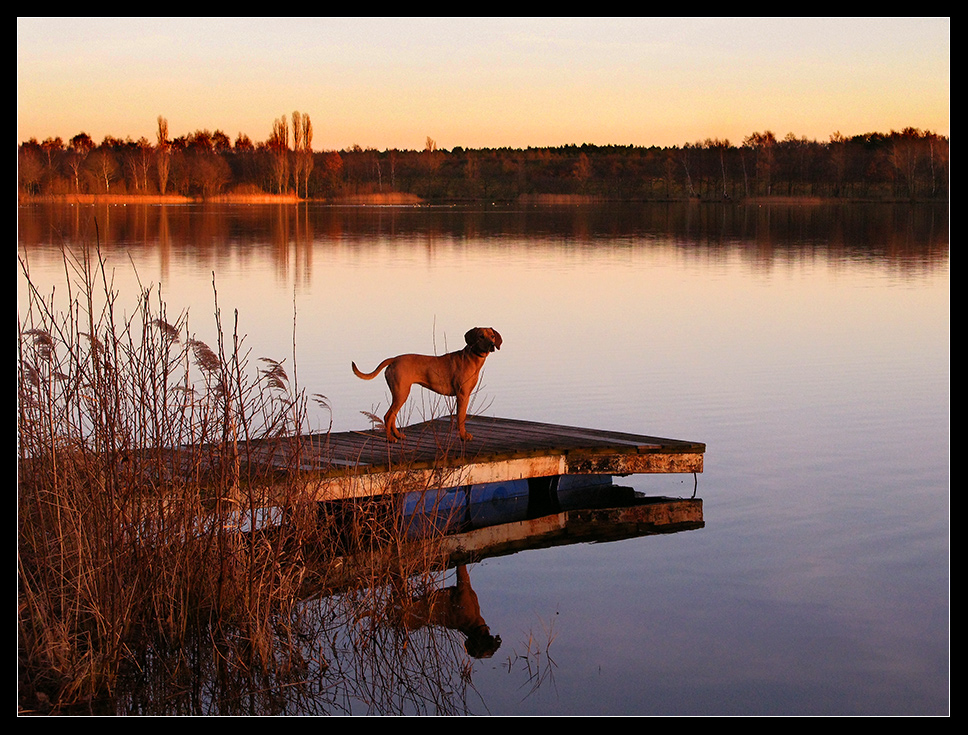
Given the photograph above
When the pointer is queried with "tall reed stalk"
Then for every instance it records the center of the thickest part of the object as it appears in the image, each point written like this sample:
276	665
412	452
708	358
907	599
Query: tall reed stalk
141	455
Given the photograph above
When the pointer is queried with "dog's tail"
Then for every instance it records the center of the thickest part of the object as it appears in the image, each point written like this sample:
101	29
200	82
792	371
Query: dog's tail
370	376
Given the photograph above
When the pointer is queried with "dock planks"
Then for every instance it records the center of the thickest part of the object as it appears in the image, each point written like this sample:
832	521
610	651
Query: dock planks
358	463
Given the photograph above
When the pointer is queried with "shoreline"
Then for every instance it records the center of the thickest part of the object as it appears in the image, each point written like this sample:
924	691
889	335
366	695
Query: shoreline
389	198
404	199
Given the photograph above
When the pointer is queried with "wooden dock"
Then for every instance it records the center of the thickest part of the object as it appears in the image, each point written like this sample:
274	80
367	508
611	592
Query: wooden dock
360	463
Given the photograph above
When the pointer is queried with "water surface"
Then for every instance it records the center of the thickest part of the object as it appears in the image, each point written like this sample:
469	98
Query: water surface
808	347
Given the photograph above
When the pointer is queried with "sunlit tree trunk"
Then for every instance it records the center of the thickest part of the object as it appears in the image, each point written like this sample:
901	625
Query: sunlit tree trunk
163	155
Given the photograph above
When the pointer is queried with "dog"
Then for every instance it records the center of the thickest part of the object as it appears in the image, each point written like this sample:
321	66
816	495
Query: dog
453	374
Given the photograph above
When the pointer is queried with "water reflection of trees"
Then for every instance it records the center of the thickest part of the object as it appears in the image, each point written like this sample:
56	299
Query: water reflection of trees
883	232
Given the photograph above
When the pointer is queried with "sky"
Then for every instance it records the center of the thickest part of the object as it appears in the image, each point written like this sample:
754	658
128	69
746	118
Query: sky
483	82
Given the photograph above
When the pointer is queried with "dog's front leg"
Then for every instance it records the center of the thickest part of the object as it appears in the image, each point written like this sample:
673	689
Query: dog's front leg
463	399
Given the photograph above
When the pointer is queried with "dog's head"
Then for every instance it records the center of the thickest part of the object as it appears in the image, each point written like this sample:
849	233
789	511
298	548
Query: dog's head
483	340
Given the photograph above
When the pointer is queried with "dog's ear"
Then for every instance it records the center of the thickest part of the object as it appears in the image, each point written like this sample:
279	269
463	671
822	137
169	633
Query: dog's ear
472	335
497	338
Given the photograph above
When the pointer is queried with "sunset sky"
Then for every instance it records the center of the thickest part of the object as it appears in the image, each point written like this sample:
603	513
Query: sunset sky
483	82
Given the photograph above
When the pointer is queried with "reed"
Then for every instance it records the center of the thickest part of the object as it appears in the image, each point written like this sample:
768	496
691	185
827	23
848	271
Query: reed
141	462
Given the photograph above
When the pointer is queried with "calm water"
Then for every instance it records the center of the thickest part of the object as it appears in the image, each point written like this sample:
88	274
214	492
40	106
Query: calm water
807	347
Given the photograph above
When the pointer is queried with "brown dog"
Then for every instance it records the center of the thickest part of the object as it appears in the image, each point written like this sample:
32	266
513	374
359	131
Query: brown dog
453	374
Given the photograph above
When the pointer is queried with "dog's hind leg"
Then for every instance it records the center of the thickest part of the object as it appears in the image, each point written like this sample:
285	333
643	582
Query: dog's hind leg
399	392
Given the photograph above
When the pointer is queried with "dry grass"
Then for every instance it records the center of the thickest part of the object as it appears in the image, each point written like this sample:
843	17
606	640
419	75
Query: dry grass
140	453
394	198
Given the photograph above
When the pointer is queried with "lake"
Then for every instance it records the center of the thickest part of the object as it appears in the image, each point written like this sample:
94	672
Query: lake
806	346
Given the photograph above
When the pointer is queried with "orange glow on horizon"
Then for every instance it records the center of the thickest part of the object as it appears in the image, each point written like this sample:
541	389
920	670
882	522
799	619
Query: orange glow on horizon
493	82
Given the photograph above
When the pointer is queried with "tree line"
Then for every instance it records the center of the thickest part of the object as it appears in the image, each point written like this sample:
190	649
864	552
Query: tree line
909	164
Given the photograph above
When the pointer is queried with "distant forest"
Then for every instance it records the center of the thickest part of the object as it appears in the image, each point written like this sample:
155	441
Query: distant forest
910	164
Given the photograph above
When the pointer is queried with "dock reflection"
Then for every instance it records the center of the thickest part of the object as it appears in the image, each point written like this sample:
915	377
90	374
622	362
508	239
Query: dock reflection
455	527
481	521
460	526
476	522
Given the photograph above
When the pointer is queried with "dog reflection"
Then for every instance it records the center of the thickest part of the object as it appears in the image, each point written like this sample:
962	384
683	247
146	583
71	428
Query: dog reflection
455	608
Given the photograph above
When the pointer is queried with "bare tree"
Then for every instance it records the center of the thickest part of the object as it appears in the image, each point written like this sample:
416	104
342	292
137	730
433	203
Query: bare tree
53	151
30	168
583	170
297	159
103	166
163	155
302	151
690	190
763	146
307	153
278	145
432	156
80	146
